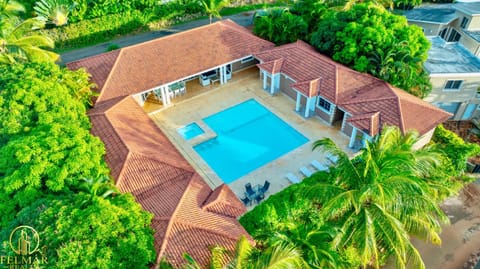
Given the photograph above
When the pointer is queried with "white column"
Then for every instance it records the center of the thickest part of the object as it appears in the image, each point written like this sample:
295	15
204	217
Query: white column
352	137
264	80
222	75
167	95
272	84
164	95
307	107
299	98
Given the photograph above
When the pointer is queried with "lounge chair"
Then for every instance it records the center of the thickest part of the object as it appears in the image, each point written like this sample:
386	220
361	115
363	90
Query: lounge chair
305	171
319	166
250	191
332	158
265	187
292	178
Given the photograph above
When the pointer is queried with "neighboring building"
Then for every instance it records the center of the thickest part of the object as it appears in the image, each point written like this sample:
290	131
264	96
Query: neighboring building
188	215
453	63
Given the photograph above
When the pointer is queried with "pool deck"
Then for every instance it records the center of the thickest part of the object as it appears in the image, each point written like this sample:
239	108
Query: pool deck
243	86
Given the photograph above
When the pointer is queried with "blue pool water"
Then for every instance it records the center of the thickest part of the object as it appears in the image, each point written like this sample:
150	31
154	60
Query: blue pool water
190	131
248	136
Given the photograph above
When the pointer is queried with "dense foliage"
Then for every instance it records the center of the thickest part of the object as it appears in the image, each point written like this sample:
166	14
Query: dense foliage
456	150
363	210
370	39
280	26
20	39
80	231
51	171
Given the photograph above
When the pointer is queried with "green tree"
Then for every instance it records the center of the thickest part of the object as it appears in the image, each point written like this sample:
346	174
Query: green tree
110	232
54	11
20	43
382	197
247	257
456	150
213	7
280	26
45	143
370	39
10	8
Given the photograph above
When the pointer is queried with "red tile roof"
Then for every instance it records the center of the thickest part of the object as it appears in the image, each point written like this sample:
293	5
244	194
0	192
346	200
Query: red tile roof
371	102
147	65
302	63
308	88
188	215
272	67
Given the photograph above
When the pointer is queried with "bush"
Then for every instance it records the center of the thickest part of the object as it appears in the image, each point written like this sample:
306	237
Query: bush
112	46
97	30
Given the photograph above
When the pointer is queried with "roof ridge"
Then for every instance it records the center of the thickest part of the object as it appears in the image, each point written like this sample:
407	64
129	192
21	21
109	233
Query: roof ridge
172	220
107	80
352	101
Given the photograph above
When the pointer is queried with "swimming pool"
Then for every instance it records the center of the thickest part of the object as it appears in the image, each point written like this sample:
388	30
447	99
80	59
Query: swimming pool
190	131
248	136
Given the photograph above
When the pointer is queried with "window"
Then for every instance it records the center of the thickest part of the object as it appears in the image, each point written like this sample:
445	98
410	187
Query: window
453	84
449	107
464	22
246	60
454	36
443	33
324	105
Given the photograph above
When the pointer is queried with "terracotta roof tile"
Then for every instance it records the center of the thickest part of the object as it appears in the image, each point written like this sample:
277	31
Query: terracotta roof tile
219	202
272	67
150	64
369	122
188	215
357	93
303	63
309	88
99	66
418	114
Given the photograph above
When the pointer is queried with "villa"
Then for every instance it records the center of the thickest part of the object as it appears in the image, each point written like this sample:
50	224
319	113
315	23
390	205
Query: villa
192	213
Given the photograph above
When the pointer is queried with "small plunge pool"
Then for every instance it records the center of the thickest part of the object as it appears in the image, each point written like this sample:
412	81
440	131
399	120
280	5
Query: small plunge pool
190	131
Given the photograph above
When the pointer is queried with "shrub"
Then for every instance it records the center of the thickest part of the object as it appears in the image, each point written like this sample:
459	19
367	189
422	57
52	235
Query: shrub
97	30
112	46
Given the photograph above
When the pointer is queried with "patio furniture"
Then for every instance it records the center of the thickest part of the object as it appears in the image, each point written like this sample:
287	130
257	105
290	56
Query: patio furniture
332	158
292	178
206	77
259	198
246	201
319	166
265	187
250	192
306	172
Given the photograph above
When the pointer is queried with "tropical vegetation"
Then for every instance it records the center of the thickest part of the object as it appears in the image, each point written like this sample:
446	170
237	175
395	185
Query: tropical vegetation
20	40
213	7
364	210
280	26
52	173
364	36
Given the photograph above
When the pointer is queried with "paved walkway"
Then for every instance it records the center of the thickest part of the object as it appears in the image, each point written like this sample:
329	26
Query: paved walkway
244	19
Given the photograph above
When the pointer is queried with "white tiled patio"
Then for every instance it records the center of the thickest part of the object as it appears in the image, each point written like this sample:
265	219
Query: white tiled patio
243	86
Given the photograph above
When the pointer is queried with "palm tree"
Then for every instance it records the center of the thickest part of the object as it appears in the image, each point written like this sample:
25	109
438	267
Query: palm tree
18	43
247	257
98	187
382	197
54	11
9	8
213	7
